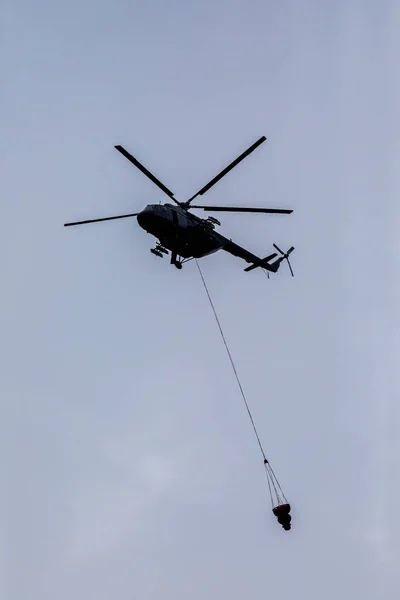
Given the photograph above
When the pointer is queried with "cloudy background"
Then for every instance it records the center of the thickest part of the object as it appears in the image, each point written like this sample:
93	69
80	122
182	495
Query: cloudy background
129	467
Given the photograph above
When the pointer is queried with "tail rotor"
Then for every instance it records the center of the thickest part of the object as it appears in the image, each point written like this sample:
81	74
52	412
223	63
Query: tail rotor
285	256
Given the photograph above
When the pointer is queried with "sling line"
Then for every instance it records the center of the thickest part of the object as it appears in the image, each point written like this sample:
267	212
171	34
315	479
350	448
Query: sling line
271	477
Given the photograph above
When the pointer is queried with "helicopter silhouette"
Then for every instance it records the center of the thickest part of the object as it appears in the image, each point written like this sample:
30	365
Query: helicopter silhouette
188	236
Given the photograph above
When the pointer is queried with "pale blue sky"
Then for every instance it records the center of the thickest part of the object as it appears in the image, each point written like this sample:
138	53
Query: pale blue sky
129	467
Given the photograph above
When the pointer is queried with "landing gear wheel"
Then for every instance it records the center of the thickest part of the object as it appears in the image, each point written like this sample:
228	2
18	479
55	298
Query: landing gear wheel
178	265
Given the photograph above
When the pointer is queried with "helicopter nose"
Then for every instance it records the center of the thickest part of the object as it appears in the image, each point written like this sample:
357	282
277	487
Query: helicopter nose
143	219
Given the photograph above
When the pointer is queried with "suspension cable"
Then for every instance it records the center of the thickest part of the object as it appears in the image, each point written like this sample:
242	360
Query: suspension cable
232	363
271	477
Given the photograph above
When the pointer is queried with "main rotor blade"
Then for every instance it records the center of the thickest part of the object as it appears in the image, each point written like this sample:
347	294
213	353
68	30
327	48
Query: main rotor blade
283	211
228	168
98	220
154	179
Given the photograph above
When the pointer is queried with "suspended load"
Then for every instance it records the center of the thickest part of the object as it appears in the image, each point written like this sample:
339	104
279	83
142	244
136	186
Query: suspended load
283	516
280	506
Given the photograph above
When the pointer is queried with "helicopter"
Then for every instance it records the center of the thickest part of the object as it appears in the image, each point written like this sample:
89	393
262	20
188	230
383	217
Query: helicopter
187	236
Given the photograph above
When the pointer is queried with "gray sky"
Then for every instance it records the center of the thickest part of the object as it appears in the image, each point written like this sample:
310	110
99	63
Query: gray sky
129	466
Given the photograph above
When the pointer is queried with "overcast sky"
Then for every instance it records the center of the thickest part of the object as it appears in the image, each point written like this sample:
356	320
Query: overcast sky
130	469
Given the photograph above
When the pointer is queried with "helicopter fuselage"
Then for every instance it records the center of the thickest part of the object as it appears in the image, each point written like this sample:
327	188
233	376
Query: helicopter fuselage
179	231
188	236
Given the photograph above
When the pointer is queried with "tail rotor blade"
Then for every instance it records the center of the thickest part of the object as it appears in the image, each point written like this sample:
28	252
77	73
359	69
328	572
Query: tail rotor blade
285	256
279	250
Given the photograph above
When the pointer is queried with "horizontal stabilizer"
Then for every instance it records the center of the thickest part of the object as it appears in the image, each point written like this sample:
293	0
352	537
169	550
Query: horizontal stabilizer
263	263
